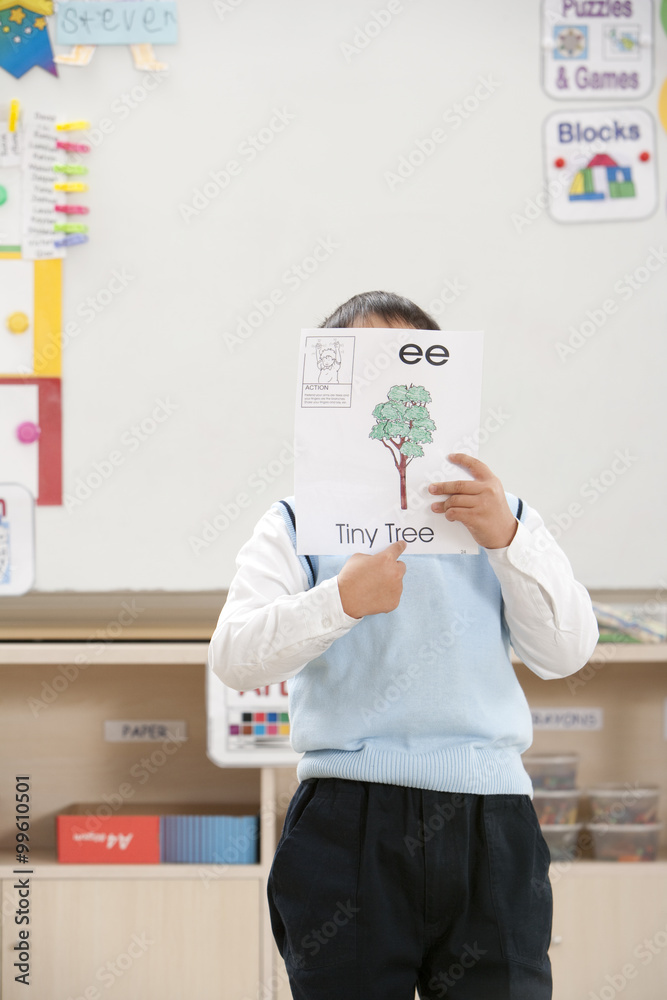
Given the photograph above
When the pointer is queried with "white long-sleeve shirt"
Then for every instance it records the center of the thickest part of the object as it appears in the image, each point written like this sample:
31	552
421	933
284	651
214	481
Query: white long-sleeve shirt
271	625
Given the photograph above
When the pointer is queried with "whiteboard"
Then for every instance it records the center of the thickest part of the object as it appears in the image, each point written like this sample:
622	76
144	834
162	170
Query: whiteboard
183	312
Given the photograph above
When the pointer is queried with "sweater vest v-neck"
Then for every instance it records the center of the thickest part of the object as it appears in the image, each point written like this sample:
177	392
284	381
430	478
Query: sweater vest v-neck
425	695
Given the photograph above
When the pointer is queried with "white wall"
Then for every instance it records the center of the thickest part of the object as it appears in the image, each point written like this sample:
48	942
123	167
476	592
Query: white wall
162	337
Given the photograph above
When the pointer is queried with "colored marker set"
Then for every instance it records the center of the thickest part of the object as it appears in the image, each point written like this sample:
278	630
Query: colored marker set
265	727
250	728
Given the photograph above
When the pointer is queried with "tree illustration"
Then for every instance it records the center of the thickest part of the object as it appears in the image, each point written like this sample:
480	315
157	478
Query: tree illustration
403	425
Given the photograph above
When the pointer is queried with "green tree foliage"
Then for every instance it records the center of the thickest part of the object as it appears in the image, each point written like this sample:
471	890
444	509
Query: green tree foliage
403	424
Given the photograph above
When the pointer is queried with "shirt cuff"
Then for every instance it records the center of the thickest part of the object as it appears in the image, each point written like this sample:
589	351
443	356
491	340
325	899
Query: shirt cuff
324	612
519	553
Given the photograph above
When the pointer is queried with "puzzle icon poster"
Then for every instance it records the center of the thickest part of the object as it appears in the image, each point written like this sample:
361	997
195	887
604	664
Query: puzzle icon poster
597	50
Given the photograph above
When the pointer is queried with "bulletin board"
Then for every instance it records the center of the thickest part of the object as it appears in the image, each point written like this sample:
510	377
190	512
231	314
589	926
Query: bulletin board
290	156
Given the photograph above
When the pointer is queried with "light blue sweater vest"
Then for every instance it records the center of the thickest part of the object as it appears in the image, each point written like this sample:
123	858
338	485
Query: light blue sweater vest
424	696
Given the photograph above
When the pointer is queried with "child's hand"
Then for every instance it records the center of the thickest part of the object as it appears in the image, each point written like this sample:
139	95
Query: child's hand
370	585
480	504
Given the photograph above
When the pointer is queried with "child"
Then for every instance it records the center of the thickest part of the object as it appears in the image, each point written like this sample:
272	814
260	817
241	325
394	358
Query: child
411	854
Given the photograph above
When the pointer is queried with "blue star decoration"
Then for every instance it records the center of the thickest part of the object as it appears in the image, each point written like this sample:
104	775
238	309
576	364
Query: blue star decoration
24	39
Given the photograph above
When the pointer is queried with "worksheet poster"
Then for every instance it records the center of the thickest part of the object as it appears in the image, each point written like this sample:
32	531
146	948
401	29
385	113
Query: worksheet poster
378	411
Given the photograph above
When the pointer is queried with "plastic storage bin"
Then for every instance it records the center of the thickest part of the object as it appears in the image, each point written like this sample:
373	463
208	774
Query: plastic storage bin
625	841
562	840
552	771
622	804
556	806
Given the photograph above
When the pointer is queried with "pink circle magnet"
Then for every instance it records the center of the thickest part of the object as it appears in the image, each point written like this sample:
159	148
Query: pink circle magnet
27	432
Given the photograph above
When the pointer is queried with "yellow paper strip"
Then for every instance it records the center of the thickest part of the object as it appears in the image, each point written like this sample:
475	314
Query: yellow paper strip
48	317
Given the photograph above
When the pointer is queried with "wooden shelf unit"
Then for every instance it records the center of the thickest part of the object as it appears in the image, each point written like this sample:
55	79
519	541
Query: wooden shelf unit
612	906
185	653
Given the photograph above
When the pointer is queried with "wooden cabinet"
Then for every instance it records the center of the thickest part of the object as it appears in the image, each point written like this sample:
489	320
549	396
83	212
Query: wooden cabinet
126	931
125	938
610	931
208	926
605	911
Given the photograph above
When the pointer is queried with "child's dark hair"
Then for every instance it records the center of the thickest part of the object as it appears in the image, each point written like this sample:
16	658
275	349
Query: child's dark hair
389	307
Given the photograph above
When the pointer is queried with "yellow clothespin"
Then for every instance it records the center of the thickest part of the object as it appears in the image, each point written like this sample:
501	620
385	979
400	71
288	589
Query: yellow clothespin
72	126
14	109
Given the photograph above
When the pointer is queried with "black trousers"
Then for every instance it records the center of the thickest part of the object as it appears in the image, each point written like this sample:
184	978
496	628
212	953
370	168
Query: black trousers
376	890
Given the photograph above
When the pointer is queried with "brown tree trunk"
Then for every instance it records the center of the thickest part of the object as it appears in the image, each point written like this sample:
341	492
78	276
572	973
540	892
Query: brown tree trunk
404	490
